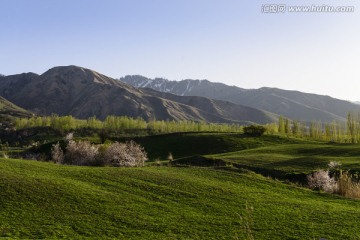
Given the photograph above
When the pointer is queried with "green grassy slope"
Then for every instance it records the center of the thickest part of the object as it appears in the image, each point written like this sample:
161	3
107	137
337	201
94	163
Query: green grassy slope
44	200
297	158
179	144
9	109
188	144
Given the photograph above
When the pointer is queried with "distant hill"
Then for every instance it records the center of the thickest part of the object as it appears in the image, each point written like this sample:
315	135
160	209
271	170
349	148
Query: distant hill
292	104
8	111
83	93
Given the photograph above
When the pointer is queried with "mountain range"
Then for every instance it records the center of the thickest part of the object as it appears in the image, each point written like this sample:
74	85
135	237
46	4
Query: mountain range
83	93
292	104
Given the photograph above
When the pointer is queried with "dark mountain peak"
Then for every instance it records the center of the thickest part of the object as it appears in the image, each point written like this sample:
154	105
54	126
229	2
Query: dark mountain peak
75	74
27	75
13	84
60	90
71	69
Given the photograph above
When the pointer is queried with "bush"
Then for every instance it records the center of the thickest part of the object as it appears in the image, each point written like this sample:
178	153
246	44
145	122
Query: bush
321	180
347	186
101	157
254	130
81	153
334	165
57	154
128	154
84	153
69	137
341	183
170	157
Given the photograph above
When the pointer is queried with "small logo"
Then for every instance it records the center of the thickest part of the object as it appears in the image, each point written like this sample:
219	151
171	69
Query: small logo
273	8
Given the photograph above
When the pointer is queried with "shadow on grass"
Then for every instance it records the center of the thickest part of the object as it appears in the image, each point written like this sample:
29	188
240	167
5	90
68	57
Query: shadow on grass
200	161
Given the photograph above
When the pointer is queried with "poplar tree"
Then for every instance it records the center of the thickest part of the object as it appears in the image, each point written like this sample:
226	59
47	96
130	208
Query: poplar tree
281	125
295	128
351	127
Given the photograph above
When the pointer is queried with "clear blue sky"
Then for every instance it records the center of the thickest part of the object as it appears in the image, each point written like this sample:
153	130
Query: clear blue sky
220	40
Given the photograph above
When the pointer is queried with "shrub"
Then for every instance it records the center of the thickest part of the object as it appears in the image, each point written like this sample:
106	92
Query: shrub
335	169
128	154
347	186
101	156
170	157
57	154
81	153
334	165
69	137
116	155
341	183
137	152
84	153
254	130
322	181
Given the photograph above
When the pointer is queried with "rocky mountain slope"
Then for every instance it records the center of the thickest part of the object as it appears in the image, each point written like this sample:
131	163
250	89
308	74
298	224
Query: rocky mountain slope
83	93
292	104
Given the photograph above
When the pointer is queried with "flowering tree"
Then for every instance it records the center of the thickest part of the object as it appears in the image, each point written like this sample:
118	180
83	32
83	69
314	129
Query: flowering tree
80	153
83	153
128	154
57	154
322	180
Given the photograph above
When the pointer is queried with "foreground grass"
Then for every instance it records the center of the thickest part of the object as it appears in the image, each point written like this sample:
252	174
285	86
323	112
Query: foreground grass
44	200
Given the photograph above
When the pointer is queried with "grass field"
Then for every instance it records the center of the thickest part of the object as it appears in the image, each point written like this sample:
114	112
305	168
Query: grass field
46	200
297	158
189	144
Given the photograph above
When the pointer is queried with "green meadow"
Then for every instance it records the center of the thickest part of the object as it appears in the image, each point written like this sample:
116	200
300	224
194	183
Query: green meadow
43	200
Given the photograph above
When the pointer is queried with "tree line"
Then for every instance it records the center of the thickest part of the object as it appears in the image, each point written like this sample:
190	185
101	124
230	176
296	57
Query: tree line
341	132
120	123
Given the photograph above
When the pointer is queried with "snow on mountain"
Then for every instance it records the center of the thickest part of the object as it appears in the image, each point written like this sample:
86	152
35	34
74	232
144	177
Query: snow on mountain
182	88
292	104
